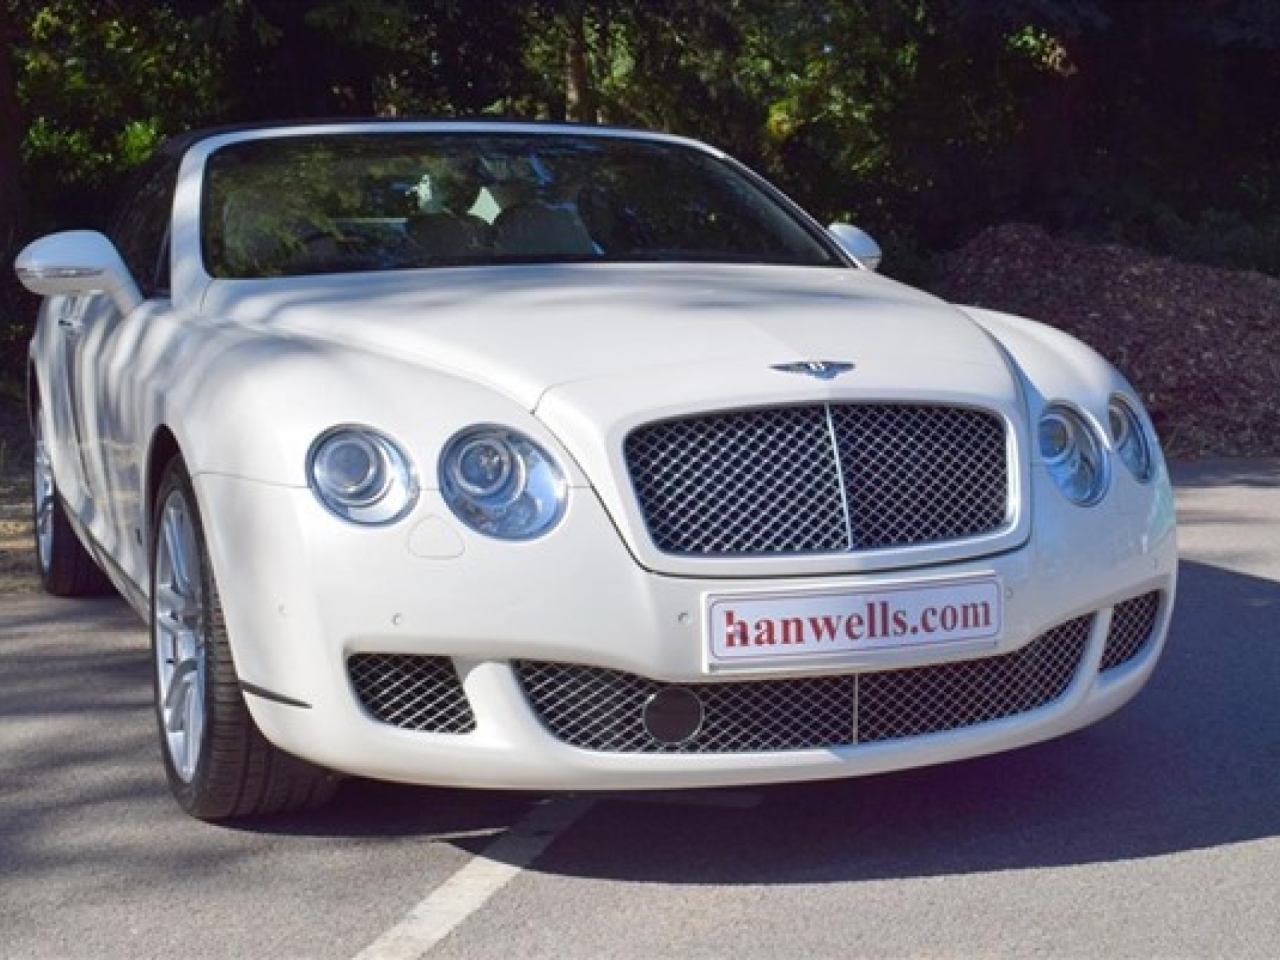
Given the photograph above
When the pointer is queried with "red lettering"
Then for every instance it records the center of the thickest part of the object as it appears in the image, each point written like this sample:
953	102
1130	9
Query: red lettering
853	627
765	636
735	631
875	620
793	631
824	628
977	615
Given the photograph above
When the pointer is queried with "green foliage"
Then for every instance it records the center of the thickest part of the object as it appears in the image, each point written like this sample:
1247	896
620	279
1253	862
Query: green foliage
102	83
15	311
1152	122
923	120
1221	238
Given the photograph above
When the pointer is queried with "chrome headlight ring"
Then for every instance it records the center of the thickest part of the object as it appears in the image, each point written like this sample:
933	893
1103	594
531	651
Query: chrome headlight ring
501	483
361	475
1132	440
1074	453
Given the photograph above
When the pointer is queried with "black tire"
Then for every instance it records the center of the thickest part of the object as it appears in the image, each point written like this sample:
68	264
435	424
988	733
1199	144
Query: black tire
66	568
226	768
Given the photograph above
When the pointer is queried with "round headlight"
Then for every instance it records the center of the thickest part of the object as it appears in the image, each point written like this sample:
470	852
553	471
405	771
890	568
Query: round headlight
361	475
502	484
1074	455
485	468
1130	439
351	466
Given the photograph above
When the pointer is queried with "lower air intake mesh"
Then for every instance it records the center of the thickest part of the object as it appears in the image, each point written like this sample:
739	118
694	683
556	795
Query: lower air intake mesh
412	692
1132	624
598	709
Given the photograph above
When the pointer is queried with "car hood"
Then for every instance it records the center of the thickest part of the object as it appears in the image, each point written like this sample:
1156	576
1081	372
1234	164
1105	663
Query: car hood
629	335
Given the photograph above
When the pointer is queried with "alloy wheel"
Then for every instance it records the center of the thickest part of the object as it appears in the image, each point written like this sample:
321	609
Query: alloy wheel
180	649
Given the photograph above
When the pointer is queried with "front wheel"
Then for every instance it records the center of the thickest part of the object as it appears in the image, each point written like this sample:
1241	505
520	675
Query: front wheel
218	763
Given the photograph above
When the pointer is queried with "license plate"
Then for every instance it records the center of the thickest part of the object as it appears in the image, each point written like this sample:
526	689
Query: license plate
767	626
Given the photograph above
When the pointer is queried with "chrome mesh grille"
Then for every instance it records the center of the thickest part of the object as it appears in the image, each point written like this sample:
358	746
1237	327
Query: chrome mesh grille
411	692
819	479
907	703
765	481
597	709
1132	623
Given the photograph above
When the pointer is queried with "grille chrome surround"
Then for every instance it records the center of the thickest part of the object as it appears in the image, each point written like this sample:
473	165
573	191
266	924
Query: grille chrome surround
411	692
1133	623
599	709
820	479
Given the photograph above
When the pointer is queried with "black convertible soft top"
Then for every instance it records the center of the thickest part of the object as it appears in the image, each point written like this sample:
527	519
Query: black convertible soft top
179	143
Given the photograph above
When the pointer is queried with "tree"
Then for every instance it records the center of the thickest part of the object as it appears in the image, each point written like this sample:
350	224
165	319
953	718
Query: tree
12	202
14	306
102	82
940	114
281	58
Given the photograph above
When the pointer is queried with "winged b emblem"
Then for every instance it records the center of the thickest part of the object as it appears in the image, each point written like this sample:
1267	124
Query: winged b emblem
821	369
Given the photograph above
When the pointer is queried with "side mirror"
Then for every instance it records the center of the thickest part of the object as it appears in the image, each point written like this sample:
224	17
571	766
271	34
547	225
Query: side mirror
74	264
858	244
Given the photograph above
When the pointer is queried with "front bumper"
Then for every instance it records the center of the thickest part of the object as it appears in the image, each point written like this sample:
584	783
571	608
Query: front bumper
307	598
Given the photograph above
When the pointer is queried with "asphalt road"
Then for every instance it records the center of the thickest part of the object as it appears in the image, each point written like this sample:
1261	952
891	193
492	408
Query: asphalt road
1155	833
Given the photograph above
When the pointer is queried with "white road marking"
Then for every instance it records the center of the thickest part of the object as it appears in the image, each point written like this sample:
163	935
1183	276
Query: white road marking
449	904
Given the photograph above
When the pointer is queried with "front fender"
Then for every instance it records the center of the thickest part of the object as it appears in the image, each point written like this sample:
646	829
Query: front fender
1053	365
260	402
1056	367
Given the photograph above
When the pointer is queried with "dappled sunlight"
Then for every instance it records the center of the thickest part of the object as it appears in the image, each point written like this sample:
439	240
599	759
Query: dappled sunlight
17	553
1222	508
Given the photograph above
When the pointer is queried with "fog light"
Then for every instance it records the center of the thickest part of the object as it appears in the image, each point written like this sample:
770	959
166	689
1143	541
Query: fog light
673	716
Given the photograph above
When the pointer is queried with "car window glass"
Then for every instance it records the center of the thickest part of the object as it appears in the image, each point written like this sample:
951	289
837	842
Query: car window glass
140	229
342	203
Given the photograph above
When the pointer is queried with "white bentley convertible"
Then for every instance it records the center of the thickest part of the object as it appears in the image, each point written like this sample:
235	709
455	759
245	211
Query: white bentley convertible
550	457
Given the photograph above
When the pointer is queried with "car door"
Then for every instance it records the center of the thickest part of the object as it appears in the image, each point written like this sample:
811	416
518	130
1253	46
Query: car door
104	371
63	323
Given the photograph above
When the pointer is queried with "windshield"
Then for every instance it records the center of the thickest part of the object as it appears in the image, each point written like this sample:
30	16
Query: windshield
339	203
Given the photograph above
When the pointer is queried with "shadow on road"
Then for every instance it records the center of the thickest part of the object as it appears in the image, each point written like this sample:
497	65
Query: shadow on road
1205	474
